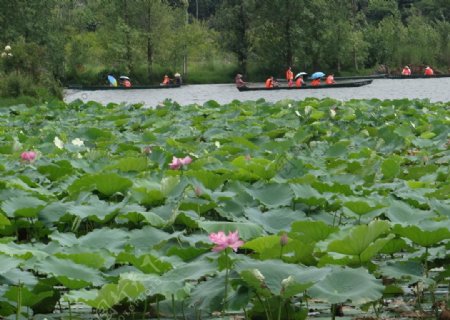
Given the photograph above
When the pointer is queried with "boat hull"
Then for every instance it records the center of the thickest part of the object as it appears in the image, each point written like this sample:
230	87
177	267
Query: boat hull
351	84
137	87
418	76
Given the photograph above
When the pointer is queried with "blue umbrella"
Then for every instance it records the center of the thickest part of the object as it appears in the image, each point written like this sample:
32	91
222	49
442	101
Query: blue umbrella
112	81
317	75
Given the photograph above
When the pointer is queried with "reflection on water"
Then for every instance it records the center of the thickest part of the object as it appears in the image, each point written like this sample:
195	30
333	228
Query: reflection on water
432	89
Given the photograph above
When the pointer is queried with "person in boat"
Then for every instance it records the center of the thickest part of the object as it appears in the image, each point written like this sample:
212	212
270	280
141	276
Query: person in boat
406	71
299	81
177	79
330	79
290	77
315	82
166	80
271	82
428	71
239	82
125	81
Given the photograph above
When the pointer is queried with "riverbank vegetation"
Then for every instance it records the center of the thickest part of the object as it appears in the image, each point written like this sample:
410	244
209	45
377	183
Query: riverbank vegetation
247	210
73	41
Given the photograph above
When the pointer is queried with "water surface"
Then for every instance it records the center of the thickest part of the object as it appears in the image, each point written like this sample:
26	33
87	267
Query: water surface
435	90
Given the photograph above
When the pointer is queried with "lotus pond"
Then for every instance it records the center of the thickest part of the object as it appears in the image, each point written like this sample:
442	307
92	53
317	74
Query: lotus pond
249	210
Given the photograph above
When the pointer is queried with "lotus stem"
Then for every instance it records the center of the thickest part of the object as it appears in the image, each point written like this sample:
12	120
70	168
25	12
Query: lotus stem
227	270
19	300
173	307
280	300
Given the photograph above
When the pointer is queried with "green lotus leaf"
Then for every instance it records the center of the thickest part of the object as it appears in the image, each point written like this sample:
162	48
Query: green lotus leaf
308	194
27	207
4	221
95	210
311	231
344	284
276	275
147	263
401	213
246	230
411	270
97	260
111	294
209	180
147	237
363	241
209	294
64	268
8	263
391	167
131	164
272	195
28	298
424	238
16	277
253	169
338	149
107	184
274	220
57	170
260	244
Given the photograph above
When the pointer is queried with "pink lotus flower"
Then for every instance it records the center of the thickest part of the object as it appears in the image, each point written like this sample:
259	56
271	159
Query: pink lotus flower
28	156
223	241
177	163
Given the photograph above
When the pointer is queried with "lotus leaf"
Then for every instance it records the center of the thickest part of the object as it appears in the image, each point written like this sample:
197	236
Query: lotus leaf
345	284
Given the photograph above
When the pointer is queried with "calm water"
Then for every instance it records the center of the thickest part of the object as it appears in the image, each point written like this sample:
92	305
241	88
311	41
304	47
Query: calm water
432	89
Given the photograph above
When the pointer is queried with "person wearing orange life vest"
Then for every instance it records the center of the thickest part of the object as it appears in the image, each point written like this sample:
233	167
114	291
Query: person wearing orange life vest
166	80
299	82
270	82
289	77
429	71
315	82
330	79
406	71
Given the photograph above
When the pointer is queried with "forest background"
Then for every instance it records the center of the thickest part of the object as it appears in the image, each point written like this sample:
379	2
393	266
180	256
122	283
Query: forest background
57	42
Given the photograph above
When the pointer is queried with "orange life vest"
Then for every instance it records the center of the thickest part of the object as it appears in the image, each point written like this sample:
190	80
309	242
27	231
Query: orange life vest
406	72
330	80
289	75
429	71
299	82
166	80
315	82
269	83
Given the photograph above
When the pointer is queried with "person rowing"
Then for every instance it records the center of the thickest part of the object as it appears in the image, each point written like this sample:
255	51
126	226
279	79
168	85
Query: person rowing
239	82
271	82
166	80
429	71
330	79
406	71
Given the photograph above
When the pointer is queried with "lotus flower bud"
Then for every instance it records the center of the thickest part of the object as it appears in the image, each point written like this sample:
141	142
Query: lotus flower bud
284	239
28	156
7	48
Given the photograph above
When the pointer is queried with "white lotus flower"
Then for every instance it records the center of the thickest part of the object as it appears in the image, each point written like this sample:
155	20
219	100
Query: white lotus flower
217	143
7	48
286	282
308	109
332	113
289	105
9	54
78	142
4	54
258	275
58	143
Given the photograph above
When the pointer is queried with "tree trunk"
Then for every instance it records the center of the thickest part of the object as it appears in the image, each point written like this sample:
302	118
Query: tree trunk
289	53
127	38
149	41
242	35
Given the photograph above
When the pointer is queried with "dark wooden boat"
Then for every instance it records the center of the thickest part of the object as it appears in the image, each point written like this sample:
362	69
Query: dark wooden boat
136	87
373	76
347	84
418	76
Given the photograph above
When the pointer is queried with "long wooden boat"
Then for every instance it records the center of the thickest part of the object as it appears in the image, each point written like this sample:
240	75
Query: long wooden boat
90	88
348	84
373	76
418	76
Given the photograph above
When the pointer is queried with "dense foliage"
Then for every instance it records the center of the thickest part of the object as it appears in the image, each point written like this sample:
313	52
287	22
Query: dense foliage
209	40
109	208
